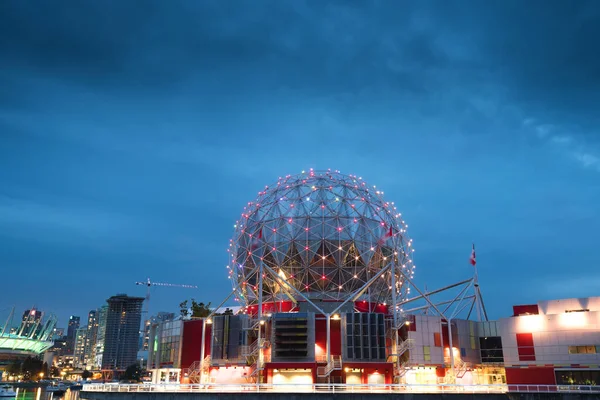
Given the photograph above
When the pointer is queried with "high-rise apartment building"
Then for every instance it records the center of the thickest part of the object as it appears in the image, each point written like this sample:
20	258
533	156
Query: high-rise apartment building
100	335
31	323
71	333
79	347
89	353
121	339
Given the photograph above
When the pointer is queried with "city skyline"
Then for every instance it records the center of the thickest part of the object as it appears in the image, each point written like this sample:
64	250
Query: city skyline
126	155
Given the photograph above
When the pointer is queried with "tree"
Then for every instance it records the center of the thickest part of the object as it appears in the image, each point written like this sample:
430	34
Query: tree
228	311
199	310
133	373
45	369
31	367
86	374
184	309
14	368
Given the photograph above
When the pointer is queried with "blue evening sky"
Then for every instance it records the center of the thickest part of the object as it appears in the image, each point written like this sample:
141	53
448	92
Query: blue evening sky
132	133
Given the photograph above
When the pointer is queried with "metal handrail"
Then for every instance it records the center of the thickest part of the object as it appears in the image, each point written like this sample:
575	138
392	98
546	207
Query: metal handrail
333	388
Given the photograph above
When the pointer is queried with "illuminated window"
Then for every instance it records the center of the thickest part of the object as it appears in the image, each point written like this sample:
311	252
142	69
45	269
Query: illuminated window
590	349
426	353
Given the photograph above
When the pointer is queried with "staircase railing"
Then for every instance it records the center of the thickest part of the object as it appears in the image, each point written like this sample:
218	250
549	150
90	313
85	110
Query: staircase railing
334	364
460	368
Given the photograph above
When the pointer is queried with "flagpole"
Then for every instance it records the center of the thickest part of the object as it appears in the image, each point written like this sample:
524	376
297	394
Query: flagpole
476	284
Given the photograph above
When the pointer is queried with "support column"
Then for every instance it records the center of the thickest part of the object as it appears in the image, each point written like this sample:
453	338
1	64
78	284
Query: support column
202	350
395	313
328	316
328	344
259	315
451	348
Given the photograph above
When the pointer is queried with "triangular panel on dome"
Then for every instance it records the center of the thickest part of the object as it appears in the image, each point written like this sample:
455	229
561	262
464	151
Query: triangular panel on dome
333	249
346	228
292	258
316	229
269	260
274	211
352	257
363	244
296	228
308	250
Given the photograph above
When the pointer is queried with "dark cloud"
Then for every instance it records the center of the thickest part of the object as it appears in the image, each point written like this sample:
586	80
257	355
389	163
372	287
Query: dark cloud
143	127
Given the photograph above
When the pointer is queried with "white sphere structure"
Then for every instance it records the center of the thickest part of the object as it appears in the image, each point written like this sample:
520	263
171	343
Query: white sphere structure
320	235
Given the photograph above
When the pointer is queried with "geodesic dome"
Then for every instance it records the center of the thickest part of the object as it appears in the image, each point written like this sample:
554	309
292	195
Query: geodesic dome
324	233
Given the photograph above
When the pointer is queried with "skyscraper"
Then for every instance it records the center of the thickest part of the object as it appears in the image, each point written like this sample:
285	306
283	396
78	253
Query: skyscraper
89	353
31	323
71	333
100	336
121	340
79	347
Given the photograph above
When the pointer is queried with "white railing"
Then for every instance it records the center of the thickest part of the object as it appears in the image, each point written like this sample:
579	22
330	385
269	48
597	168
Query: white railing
335	388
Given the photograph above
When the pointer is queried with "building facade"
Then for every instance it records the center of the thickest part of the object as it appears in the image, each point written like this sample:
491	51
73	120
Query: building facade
81	338
91	337
30	323
121	338
553	342
100	336
71	333
550	343
164	352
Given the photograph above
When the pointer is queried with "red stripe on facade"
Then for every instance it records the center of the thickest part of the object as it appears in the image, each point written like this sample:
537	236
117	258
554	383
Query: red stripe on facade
525	347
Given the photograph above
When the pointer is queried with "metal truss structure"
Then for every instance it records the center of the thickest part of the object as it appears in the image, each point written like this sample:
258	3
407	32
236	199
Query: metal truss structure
466	296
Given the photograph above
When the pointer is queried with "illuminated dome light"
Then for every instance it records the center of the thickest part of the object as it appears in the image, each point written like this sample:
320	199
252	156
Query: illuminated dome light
324	233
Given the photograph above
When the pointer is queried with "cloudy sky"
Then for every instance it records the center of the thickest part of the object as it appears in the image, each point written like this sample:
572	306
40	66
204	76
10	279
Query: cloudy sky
132	133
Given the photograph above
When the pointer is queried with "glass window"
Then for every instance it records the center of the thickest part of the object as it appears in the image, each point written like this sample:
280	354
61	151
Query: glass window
590	349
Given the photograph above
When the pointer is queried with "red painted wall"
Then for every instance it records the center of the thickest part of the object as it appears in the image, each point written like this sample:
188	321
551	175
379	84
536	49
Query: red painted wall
446	339
191	340
530	376
525	309
525	347
287	306
363	306
280	306
335	335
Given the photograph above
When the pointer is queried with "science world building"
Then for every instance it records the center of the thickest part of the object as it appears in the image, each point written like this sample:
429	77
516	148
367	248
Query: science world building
321	268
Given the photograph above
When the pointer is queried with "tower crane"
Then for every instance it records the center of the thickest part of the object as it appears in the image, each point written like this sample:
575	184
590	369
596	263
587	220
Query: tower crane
148	283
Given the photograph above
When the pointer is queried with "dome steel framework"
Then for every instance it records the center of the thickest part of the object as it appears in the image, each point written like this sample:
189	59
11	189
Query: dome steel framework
320	235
